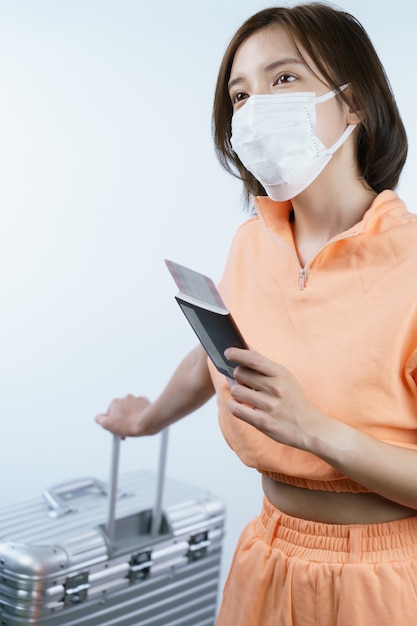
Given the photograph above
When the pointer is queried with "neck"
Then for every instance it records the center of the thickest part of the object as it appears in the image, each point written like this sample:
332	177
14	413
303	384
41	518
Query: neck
324	211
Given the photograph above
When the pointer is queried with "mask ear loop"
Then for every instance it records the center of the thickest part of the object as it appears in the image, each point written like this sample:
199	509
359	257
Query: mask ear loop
331	94
348	130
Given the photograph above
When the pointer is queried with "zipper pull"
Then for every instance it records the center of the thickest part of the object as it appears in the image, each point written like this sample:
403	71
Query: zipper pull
302	278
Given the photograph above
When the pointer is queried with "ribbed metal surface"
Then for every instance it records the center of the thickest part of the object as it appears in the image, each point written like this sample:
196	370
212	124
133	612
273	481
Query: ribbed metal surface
29	522
186	599
39	554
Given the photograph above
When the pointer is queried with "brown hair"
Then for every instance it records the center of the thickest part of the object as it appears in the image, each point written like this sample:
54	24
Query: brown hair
343	53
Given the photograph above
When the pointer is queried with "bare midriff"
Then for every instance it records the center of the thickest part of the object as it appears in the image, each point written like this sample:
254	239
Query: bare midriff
333	508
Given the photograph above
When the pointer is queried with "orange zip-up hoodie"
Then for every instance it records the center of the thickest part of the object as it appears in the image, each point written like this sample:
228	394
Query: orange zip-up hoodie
345	326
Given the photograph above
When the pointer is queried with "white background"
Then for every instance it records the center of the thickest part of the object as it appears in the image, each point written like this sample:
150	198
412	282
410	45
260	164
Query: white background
106	168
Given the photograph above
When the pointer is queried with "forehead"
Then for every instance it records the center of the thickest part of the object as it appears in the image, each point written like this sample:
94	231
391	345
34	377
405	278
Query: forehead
266	46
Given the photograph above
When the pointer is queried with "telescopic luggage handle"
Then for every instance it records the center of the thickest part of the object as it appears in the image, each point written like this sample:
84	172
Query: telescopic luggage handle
114	472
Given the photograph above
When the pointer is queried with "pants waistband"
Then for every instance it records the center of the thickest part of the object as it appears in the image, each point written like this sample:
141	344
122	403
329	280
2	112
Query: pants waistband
317	541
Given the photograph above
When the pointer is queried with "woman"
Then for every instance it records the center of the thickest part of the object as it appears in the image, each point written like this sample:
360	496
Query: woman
321	281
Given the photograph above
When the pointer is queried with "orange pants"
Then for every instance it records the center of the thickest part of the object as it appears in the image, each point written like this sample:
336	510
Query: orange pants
292	572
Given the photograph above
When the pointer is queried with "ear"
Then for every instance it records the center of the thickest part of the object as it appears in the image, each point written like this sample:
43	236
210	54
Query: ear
354	114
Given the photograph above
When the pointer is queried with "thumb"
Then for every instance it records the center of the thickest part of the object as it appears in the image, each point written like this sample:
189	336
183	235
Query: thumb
101	419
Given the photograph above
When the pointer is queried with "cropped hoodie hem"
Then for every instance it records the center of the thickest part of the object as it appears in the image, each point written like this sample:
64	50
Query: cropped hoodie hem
340	485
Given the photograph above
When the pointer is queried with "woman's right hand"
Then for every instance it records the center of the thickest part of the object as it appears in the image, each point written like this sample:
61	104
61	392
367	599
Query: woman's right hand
188	388
127	417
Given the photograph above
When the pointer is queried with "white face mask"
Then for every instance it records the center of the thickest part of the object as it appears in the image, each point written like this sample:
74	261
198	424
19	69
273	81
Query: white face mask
274	137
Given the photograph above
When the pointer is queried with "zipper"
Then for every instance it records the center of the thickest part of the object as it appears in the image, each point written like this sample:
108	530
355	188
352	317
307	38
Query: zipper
303	272
302	278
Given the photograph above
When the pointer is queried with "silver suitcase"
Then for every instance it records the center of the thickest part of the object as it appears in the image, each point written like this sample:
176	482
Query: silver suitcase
143	553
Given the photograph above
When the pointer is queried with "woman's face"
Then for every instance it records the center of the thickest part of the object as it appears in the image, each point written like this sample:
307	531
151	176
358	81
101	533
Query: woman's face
268	63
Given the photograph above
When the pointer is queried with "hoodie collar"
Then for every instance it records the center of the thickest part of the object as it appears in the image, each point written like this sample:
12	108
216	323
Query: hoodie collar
276	215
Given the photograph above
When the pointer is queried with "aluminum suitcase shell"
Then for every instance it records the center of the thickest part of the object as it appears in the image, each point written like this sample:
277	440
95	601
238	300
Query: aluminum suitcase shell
66	568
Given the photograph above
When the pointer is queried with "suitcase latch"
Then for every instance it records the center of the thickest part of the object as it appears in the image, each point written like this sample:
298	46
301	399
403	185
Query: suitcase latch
76	589
140	565
198	545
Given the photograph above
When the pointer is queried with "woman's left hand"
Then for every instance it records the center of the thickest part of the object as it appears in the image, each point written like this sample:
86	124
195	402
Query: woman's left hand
268	396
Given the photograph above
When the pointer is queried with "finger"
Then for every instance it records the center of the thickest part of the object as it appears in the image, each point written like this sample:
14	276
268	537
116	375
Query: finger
253	398
231	381
268	383
252	360
259	419
101	419
104	420
249	378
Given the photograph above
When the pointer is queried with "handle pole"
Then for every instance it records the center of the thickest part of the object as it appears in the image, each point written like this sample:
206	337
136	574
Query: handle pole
113	490
157	512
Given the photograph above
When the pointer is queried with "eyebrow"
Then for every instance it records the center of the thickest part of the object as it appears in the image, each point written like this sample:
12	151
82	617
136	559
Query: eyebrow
271	66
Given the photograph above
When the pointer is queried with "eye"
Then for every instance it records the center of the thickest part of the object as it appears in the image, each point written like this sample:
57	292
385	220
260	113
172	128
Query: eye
284	79
238	97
